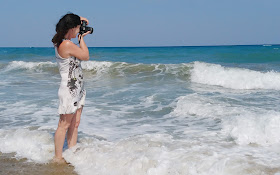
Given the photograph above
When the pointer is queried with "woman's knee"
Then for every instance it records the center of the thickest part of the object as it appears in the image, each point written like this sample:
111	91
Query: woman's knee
78	117
77	123
64	126
64	122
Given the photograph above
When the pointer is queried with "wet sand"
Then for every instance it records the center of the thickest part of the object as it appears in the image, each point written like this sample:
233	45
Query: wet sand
11	166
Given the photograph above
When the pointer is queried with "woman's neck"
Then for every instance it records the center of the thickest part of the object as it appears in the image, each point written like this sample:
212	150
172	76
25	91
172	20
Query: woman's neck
67	37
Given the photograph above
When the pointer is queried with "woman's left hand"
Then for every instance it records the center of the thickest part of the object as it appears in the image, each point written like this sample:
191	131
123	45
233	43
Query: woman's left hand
84	19
84	34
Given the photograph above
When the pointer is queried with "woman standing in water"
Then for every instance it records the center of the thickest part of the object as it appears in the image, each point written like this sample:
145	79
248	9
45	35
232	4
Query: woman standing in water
71	92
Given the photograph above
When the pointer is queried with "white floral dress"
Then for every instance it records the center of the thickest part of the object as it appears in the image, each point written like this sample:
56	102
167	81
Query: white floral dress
71	92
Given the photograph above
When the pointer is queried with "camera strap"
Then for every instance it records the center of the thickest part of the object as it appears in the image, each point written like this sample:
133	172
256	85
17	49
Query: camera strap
80	37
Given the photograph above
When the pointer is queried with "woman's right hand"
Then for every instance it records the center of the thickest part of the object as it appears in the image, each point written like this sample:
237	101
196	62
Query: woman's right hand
83	19
84	34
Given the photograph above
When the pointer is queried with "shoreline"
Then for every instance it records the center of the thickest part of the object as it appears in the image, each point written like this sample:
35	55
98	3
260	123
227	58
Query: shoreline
11	165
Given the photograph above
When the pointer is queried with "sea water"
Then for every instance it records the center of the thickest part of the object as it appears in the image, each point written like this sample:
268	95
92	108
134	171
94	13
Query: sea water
210	110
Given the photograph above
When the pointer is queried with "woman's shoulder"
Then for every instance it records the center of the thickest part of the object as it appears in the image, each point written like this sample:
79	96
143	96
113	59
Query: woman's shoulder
66	43
64	48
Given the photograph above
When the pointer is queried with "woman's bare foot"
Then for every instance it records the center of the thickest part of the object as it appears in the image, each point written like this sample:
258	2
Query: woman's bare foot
59	160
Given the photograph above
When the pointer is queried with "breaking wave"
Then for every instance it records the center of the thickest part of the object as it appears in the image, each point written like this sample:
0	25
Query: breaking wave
197	72
234	78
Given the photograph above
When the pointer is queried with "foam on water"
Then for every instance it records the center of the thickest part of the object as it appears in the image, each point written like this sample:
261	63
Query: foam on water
200	72
234	78
15	65
144	154
103	68
244	125
31	144
197	105
200	152
99	67
22	114
251	128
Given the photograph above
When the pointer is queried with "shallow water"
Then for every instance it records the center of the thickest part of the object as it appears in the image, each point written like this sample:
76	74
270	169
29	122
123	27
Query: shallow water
10	165
162	110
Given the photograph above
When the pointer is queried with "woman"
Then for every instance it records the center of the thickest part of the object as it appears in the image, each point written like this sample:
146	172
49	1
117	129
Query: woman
71	91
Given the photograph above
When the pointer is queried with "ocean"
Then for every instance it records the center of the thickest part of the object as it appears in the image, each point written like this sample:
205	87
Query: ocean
209	110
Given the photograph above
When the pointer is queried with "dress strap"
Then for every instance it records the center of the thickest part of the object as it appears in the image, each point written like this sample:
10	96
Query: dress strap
66	39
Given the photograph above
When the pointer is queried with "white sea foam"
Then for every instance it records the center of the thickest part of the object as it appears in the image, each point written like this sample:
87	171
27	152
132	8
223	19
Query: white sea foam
146	154
105	67
234	78
31	144
3	83
196	105
96	66
159	154
99	67
28	65
154	154
262	128
142	70
24	113
244	125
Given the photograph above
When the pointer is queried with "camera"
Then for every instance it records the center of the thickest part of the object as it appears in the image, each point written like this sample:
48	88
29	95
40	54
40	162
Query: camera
84	28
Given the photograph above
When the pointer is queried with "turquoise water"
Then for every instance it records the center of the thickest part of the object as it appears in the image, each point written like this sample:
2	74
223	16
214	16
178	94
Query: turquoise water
165	55
150	110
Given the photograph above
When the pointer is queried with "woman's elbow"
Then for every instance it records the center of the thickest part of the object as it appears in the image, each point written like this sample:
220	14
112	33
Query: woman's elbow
85	57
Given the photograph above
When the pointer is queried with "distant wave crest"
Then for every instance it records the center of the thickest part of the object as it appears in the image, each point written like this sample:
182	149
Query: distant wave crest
197	72
234	78
15	65
105	68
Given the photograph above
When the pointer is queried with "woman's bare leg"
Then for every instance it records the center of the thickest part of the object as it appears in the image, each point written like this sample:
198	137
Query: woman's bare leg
59	137
72	134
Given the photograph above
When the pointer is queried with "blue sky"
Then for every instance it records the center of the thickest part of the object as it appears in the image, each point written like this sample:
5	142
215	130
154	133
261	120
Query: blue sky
31	23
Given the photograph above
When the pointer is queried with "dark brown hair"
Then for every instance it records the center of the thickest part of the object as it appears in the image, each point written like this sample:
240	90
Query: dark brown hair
67	22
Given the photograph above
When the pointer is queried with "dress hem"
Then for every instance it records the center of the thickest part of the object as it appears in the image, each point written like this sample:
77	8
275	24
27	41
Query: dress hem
72	112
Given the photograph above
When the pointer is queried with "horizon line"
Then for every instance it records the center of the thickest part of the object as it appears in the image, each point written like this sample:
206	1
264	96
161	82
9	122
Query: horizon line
148	46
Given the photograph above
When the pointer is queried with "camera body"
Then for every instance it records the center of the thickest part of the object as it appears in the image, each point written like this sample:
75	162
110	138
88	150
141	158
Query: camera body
84	28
